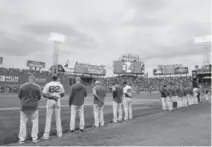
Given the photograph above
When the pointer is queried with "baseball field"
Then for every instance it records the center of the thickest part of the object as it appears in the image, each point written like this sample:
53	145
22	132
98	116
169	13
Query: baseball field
143	104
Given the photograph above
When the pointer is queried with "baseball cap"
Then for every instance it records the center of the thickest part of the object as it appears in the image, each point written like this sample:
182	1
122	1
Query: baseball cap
97	82
78	79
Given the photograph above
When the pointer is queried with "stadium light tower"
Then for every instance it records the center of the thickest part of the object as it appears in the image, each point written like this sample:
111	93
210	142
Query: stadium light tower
57	39
207	48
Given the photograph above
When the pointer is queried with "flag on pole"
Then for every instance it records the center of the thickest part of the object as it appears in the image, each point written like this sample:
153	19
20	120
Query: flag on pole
66	64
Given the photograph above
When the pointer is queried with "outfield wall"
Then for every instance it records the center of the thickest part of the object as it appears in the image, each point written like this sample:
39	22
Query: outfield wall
11	81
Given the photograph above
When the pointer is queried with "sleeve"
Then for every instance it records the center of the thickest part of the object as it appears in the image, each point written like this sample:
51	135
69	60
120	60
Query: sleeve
39	93
124	90
94	91
113	88
62	89
46	89
85	92
20	92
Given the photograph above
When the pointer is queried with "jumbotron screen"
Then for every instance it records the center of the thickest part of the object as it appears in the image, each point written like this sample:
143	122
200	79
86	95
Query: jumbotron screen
126	67
170	70
89	69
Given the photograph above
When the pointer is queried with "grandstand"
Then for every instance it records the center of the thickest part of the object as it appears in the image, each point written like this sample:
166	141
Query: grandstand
128	68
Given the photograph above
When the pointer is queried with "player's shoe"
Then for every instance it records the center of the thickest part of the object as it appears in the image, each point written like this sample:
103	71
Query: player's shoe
72	131
81	131
35	141
45	138
94	126
112	121
102	125
21	142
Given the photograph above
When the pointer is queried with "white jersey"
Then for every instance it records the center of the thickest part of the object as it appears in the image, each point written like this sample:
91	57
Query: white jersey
195	91
53	88
127	90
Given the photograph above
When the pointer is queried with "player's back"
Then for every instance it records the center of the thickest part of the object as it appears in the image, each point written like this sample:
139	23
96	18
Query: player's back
54	88
127	91
117	93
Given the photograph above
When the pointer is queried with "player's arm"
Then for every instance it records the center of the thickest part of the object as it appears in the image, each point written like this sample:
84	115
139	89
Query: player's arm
62	91
85	92
20	92
95	95
72	94
39	92
114	91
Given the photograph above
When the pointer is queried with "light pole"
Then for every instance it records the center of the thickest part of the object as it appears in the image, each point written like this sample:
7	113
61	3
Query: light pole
207	50
57	39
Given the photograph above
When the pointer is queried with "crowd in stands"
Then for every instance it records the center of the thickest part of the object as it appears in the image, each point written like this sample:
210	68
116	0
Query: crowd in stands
146	84
24	71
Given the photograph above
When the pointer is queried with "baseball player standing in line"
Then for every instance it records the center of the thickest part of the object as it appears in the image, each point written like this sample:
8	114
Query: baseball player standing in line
117	101
76	102
53	91
185	96
169	102
179	99
174	97
127	101
99	93
190	95
163	97
29	95
195	97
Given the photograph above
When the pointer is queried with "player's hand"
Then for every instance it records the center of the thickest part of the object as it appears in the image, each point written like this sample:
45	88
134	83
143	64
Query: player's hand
54	98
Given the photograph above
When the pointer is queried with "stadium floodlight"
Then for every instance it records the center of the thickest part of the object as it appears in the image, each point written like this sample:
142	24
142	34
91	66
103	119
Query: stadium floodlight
57	39
207	50
202	39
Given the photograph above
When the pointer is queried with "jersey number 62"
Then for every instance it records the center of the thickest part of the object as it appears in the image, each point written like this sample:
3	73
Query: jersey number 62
54	89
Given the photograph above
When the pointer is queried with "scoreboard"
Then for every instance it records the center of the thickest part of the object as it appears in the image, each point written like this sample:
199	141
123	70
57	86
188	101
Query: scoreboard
170	70
82	68
127	67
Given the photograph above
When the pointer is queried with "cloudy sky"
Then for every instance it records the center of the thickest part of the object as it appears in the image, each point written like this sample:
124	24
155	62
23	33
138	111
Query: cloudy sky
99	31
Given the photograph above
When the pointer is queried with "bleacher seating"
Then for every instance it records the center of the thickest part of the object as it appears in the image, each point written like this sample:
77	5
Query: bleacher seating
144	84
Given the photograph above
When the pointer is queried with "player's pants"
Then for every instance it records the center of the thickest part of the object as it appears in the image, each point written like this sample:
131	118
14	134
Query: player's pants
127	102
199	98
169	103
190	101
117	108
185	101
195	99
164	104
53	105
179	102
24	116
206	97
174	100
74	110
98	115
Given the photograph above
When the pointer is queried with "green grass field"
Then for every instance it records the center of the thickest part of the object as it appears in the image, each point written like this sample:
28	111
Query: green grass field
143	104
